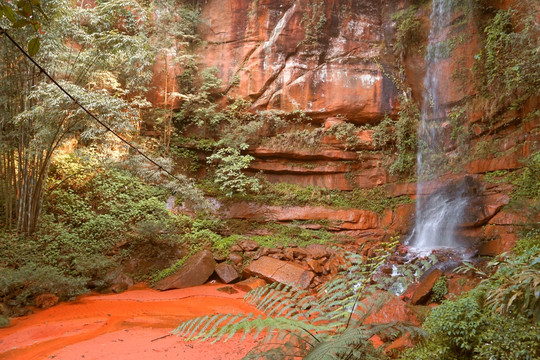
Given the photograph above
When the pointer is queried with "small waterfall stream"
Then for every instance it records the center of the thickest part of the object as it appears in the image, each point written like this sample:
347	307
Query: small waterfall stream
437	215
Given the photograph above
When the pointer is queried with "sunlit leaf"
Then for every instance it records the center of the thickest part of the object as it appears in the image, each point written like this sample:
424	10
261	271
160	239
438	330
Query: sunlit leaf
33	46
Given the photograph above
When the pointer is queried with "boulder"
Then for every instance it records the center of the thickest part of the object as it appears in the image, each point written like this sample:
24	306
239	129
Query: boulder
422	292
394	309
236	258
315	266
119	281
195	271
317	251
493	248
227	273
274	270
248	245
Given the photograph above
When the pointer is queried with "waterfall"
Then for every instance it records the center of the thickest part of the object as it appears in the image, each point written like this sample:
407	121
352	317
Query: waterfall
437	215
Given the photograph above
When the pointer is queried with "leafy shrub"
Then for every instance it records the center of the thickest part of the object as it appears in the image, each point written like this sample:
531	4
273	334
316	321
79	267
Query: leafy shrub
94	217
508	338
19	287
440	289
314	21
496	320
507	70
4	321
230	171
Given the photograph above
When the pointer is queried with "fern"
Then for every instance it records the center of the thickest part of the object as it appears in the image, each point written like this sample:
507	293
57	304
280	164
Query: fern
327	325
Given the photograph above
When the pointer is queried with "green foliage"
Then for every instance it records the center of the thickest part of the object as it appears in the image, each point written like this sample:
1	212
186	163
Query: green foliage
528	185
91	210
18	287
454	326
496	177
284	194
400	135
314	22
517	283
496	320
408	28
198	106
24	13
296	323
528	242
440	290
107	71
507	70
347	133
229	172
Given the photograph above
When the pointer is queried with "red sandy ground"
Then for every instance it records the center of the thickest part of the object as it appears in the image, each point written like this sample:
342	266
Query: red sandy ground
132	325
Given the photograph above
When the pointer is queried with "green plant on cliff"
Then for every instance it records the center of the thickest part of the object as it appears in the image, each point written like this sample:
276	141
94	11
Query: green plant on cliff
330	324
346	133
229	171
507	70
440	290
314	22
408	34
400	137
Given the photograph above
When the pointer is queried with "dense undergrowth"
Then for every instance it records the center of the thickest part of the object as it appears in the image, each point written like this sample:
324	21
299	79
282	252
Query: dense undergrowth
98	217
499	319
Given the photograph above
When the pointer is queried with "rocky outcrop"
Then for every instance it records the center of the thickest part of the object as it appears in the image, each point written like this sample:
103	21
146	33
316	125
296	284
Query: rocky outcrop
261	52
195	271
345	219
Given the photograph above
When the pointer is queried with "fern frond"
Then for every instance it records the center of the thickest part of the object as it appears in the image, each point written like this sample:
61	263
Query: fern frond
276	351
283	300
343	343
210	327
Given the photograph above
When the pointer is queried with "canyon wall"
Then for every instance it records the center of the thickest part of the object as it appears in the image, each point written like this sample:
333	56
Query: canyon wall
336	61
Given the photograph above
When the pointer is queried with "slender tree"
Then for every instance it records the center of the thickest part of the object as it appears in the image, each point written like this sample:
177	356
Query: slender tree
102	56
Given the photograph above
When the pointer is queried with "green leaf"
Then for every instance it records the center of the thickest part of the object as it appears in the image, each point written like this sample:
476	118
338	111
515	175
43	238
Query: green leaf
9	13
33	46
20	23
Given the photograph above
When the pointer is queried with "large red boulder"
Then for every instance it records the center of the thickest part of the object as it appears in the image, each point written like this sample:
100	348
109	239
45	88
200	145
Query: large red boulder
195	271
284	272
422	292
394	309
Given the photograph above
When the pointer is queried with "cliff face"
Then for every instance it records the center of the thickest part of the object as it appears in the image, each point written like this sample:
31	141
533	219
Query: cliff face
261	46
337	61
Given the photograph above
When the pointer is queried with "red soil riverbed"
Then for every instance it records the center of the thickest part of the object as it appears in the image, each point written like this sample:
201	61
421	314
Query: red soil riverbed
132	325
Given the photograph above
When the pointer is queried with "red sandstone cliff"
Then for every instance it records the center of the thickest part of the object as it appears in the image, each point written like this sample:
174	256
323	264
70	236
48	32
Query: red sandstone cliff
258	48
